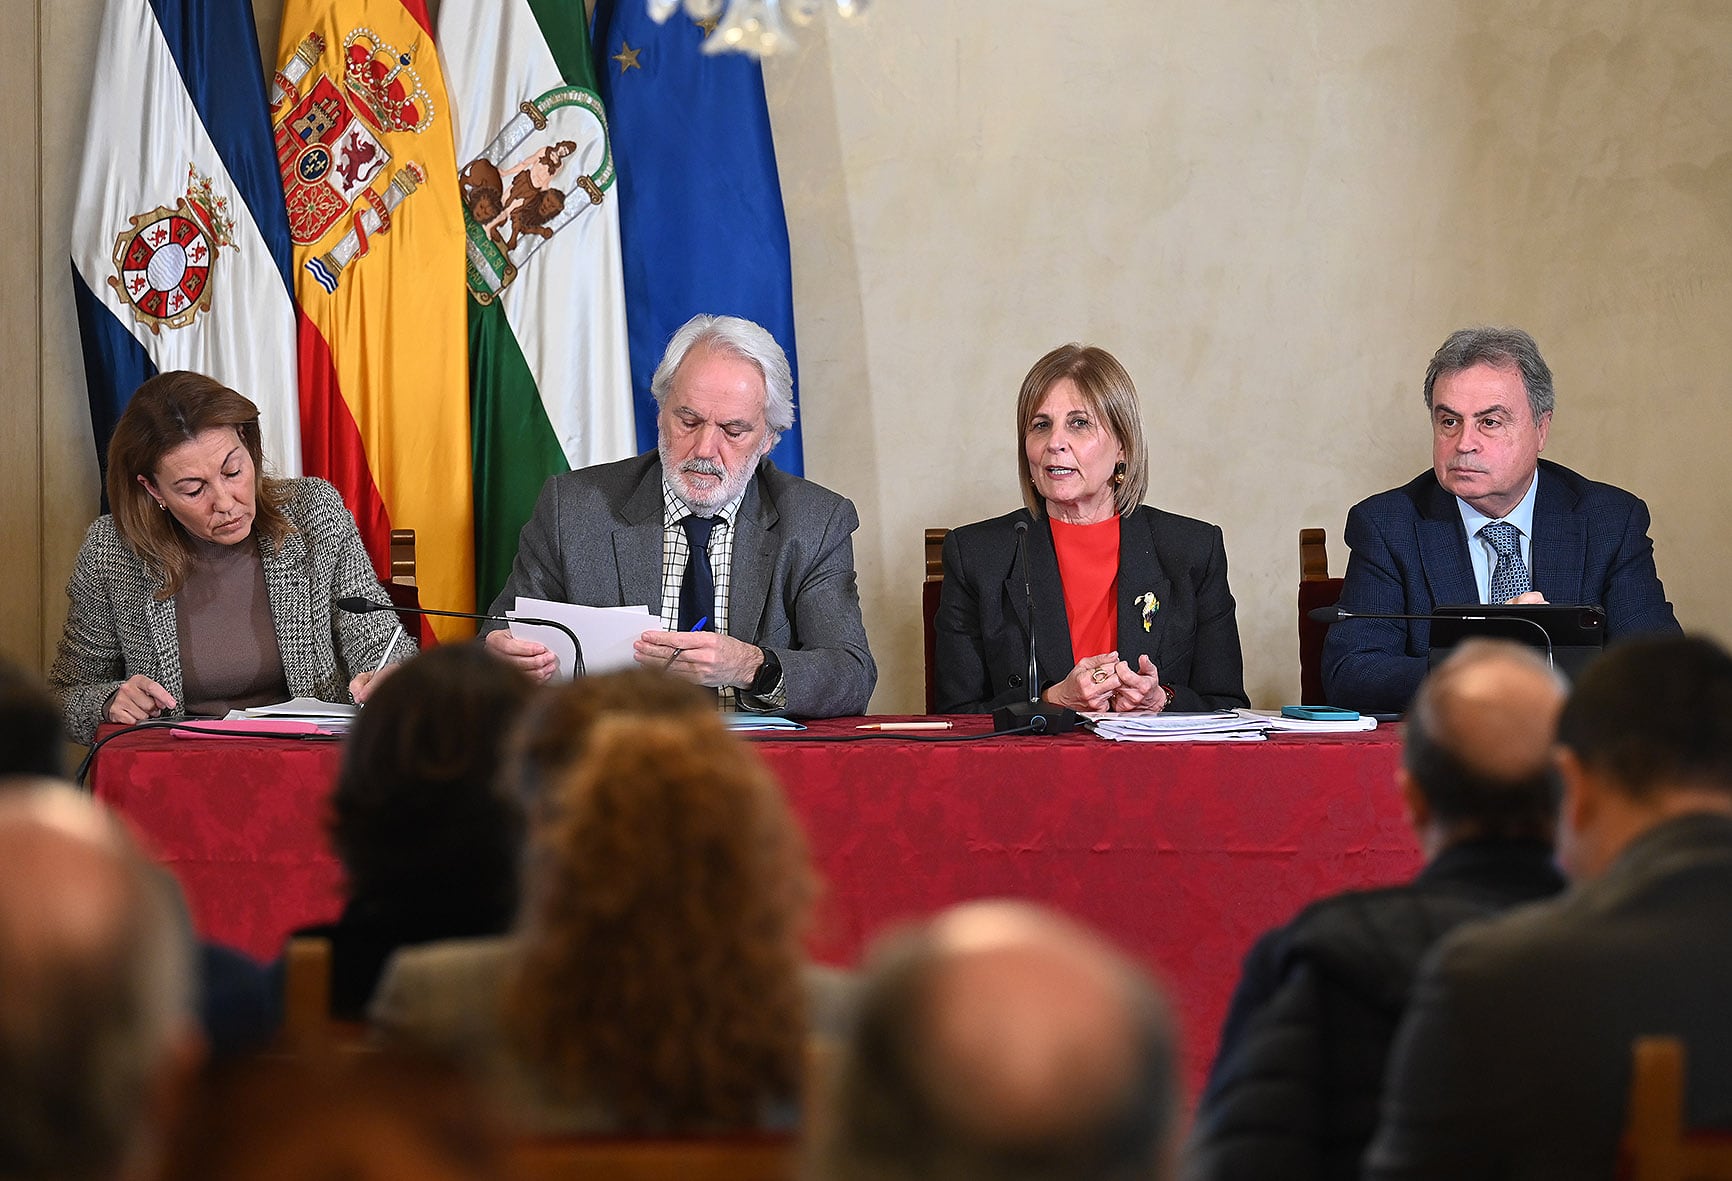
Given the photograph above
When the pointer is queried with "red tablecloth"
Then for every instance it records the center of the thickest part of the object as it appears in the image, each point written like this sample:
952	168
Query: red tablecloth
1182	853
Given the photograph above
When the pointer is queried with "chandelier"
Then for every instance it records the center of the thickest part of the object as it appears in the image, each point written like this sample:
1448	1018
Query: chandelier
757	27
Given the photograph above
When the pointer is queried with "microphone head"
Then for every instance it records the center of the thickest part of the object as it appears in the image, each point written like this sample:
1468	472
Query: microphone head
1021	527
1329	614
356	605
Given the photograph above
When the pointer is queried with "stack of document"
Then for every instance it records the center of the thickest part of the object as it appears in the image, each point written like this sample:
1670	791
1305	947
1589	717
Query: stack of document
1220	726
1227	725
327	715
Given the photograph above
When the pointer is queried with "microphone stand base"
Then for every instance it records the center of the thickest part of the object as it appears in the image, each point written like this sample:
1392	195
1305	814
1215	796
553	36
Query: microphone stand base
1035	717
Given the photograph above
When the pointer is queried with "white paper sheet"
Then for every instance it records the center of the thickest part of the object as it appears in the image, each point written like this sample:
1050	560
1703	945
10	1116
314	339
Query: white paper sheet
607	633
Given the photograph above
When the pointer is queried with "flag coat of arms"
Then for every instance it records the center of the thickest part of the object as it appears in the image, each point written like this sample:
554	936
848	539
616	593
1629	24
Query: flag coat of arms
550	382
180	250
363	144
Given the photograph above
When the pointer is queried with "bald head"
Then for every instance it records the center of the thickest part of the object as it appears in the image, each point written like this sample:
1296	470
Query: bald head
1005	1041
95	986
1479	740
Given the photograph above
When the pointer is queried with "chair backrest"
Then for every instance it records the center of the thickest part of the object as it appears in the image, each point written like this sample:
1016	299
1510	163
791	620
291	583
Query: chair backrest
1316	589
1656	1146
307	1023
755	1158
929	591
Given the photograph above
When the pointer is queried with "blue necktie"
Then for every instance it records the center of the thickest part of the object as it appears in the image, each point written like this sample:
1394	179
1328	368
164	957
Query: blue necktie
698	589
1510	577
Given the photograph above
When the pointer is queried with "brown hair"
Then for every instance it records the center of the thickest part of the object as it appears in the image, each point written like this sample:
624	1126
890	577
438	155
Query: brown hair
168	410
1108	392
662	959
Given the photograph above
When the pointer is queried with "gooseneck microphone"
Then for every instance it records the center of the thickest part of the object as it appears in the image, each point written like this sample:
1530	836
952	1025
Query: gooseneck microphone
356	605
1034	715
1335	613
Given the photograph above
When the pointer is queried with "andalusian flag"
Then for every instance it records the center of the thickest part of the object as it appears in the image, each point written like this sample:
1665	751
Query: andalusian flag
550	382
180	253
364	141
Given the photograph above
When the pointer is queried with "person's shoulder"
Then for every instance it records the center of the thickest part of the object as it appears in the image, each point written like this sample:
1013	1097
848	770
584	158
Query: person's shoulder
1581	493
784	488
613	482
308	497
989	536
1405	502
443	958
1190	532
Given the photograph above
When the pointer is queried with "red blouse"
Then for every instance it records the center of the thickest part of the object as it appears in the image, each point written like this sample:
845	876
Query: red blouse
1088	568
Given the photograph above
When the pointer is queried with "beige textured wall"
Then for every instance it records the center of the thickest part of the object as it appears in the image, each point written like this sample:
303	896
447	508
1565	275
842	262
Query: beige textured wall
1271	213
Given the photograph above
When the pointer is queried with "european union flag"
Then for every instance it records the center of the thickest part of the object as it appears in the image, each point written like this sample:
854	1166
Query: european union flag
701	221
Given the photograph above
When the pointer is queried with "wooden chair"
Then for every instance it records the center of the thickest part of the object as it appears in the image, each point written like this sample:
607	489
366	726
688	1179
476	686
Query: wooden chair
402	587
1316	589
1656	1146
749	1158
929	604
308	1027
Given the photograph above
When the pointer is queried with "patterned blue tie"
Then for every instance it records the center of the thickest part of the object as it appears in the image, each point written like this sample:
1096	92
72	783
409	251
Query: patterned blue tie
1510	578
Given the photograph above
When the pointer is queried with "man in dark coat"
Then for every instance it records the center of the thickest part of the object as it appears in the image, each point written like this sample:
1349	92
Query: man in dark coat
1514	1058
1295	1086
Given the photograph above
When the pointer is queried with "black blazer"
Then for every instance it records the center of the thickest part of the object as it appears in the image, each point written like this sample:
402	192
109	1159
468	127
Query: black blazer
982	624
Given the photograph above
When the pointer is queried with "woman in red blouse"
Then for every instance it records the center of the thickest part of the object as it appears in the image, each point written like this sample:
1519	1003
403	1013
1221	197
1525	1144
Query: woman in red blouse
1128	605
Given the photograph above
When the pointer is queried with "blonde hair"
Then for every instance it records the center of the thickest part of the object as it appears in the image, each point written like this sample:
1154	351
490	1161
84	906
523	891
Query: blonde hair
1110	395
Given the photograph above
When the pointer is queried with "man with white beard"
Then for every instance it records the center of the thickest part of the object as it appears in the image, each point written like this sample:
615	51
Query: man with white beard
750	569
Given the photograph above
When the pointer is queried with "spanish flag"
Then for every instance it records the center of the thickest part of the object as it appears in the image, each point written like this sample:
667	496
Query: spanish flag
364	142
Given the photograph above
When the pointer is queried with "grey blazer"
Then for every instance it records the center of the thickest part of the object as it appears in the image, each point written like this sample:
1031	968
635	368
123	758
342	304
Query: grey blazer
115	627
595	538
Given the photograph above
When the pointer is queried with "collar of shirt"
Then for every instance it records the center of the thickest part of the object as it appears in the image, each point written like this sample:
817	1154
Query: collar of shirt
1479	549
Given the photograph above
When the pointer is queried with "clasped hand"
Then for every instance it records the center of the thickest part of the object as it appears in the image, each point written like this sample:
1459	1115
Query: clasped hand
1099	684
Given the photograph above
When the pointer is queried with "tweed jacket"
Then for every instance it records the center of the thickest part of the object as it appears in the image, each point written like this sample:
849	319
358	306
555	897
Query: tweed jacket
116	628
595	538
1513	1060
1409	555
982	625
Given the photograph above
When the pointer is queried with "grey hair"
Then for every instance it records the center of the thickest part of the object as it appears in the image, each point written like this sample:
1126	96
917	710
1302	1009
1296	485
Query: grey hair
1501	348
84	1033
743	339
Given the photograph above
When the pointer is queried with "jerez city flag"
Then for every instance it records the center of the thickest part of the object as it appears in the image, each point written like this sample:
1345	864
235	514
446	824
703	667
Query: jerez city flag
701	222
363	139
550	383
180	252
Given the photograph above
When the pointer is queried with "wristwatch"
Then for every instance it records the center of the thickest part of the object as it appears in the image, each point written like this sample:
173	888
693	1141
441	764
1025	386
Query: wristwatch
769	673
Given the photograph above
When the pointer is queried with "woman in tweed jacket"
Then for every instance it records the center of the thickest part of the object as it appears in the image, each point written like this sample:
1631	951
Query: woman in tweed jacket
187	487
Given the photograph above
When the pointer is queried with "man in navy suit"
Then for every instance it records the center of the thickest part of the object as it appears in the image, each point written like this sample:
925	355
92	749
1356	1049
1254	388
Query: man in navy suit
1490	523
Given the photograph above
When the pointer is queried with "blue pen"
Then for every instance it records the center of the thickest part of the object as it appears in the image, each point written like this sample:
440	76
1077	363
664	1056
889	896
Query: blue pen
699	626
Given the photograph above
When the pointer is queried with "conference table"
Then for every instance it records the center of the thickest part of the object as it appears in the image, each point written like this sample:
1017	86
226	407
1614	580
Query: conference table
1181	852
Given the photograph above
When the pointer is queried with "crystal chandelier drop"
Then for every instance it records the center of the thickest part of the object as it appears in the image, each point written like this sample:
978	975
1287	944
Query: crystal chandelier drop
757	27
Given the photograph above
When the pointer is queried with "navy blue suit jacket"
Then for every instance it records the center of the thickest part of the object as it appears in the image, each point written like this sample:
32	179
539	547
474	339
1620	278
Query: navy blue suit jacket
1590	546
982	624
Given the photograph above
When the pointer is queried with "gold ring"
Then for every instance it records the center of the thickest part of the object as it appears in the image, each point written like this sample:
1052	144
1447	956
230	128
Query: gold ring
1099	675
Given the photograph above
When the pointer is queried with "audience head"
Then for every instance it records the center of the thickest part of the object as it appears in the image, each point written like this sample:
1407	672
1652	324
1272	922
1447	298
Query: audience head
666	898
1477	754
1002	1042
418	817
381	1116
32	740
555	732
1106	391
1645	736
168	414
97	1028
